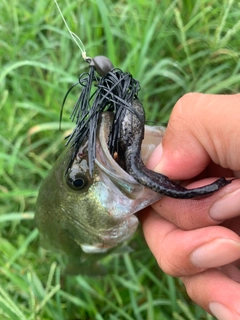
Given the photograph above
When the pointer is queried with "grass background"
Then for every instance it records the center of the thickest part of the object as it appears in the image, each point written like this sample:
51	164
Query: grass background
171	47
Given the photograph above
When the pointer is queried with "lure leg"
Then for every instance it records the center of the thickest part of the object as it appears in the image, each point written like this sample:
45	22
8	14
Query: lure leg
162	184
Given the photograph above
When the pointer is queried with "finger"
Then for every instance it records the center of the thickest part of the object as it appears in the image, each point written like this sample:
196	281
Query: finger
201	128
181	253
190	214
216	293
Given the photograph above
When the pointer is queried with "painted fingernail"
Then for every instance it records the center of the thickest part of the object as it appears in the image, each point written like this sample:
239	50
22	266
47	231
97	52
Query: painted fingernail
226	207
216	253
221	312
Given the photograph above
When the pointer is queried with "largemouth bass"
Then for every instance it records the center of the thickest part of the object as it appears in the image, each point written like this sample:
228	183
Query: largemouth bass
89	198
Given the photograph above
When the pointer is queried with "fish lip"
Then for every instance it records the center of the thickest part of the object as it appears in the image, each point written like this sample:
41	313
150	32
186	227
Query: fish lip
94	248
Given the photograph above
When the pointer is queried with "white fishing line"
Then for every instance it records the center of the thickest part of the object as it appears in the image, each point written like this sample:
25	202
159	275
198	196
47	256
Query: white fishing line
75	38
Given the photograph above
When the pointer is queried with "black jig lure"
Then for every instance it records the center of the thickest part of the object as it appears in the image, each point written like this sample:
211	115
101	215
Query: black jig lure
117	92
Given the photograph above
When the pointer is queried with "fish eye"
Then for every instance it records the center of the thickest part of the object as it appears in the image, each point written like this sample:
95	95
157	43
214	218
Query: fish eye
77	181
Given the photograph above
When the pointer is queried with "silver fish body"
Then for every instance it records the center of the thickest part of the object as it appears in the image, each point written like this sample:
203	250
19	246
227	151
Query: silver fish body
97	213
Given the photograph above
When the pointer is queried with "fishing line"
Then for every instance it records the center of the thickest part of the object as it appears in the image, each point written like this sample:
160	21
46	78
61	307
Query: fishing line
81	46
75	38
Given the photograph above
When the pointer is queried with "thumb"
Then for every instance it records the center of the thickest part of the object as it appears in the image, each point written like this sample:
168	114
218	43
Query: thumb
202	128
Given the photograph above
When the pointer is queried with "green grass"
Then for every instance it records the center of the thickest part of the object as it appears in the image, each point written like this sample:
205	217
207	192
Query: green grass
171	47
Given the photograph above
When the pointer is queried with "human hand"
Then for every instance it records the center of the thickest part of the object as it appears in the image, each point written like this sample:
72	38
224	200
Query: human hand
198	240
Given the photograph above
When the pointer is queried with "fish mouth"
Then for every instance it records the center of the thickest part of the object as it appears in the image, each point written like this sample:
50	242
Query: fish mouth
118	193
108	165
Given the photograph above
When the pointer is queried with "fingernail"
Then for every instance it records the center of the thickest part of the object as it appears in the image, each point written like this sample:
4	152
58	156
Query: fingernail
221	312
226	207
216	253
155	157
159	150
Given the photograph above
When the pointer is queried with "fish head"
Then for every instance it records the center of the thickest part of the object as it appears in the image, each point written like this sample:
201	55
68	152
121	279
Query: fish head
93	213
